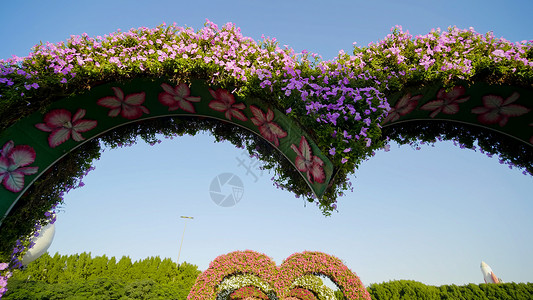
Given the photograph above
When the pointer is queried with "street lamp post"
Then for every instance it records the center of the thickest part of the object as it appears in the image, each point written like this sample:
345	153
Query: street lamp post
181	244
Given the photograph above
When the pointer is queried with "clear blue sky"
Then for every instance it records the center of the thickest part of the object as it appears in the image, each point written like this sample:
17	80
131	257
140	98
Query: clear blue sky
430	215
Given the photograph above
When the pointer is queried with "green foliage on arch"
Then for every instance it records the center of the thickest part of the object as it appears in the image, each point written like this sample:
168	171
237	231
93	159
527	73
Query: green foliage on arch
341	104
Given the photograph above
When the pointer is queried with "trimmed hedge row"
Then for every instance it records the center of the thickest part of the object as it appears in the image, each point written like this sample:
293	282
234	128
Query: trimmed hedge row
409	289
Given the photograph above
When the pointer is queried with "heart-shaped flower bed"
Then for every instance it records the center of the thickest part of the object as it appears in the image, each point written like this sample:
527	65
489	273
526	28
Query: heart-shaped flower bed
236	270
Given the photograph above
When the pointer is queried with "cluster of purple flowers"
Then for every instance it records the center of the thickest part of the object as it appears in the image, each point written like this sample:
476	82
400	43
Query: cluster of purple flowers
8	71
5	274
347	93
456	49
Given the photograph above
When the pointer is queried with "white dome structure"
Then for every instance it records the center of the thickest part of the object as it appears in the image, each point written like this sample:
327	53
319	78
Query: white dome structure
42	243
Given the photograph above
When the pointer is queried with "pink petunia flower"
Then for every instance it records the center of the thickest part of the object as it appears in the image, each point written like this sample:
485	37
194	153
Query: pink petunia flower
268	129
225	102
446	102
496	110
178	97
404	106
307	162
63	125
128	106
14	161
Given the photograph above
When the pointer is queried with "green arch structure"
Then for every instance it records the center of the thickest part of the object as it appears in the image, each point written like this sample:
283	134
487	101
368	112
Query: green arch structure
72	121
313	122
499	110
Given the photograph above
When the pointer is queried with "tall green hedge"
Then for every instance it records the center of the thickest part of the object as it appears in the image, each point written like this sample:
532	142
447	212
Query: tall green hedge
81	276
411	290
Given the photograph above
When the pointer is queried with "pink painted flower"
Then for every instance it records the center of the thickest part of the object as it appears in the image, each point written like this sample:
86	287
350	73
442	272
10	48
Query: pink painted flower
268	129
14	161
496	110
309	163
128	106
225	102
404	106
178	97
446	102
62	126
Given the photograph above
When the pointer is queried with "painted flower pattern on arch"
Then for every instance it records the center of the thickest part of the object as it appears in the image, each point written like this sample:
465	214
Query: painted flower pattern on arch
496	110
62	126
308	163
446	102
404	106
225	102
128	106
14	165
268	129
178	97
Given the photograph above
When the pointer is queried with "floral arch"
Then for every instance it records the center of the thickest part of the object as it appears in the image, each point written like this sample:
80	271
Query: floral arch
230	273
311	121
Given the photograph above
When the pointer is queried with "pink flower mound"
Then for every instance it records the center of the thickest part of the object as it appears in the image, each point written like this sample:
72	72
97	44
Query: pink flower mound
248	293
309	262
14	162
301	294
238	262
297	265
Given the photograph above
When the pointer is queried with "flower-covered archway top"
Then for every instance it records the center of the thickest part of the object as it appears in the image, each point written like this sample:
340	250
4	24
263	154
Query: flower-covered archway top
309	262
234	263
285	282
